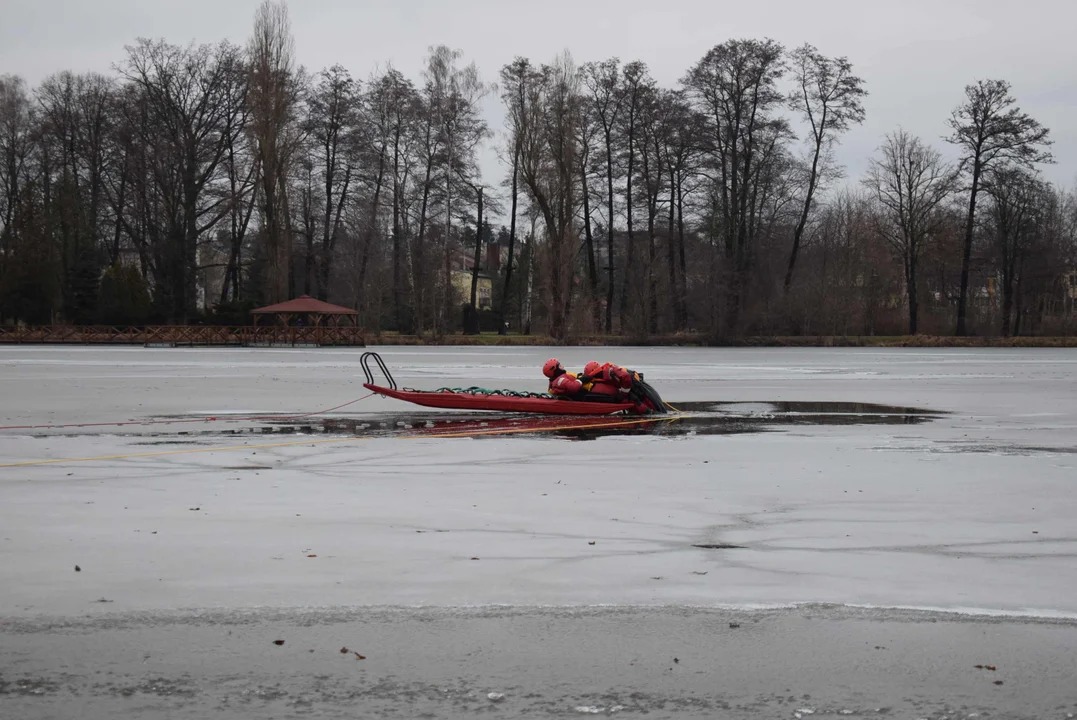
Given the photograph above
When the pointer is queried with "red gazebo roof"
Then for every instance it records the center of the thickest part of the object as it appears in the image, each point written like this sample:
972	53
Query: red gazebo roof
305	304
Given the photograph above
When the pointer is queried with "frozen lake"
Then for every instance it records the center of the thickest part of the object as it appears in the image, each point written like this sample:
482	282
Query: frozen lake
805	492
972	509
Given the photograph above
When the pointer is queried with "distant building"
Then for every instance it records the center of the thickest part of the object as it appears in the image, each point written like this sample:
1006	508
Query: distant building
463	263
484	291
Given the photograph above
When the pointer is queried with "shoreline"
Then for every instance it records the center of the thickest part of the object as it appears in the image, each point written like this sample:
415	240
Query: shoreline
689	340
702	341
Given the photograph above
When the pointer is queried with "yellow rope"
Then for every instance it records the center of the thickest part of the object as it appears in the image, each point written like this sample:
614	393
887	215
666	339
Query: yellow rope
513	431
472	433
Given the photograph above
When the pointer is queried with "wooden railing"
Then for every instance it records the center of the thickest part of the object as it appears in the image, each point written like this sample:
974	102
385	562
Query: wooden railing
185	335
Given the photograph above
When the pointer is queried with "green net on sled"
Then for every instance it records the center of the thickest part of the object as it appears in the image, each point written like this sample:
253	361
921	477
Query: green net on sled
484	391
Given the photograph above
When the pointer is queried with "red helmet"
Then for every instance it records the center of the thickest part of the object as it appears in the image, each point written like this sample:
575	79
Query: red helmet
592	368
550	367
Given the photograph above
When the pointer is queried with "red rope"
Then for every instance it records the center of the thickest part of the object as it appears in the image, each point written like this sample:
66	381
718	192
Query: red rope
187	420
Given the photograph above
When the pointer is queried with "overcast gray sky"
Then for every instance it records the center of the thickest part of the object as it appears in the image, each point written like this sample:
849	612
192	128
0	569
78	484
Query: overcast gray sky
916	55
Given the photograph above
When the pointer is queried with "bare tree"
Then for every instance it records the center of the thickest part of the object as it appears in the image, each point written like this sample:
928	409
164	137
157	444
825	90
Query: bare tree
587	128
1016	197
603	80
989	129
188	104
274	96
16	183
454	129
636	83
548	169
735	88
241	164
652	176
15	126
830	99
393	106
334	117
429	148
910	182
472	326
74	112
681	138
516	80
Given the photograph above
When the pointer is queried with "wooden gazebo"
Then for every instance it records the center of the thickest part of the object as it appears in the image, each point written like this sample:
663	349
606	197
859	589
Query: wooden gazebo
308	312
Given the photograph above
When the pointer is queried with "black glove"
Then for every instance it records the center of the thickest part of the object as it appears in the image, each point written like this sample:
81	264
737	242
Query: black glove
585	379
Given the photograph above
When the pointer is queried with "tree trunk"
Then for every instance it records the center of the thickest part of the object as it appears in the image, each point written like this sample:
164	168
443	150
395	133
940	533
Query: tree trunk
471	314
371	231
114	256
970	224
308	239
287	233
232	225
670	244
419	256
308	261
398	290
1019	300
501	329
914	308
566	315
325	262
188	257
530	280
330	176
592	269
682	296
609	234
1007	297
440	318
630	247
277	268
652	259
798	232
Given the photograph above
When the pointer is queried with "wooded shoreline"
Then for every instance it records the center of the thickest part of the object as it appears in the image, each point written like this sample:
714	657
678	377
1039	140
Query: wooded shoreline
920	341
213	336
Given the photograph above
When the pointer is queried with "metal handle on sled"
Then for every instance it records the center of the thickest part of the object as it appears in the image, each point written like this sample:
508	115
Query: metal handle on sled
364	360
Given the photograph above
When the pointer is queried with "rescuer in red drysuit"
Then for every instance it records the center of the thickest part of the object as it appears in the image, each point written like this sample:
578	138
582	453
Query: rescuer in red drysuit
610	383
563	383
621	384
608	379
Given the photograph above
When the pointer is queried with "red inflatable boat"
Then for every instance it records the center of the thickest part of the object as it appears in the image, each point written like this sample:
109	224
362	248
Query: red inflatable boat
514	402
501	400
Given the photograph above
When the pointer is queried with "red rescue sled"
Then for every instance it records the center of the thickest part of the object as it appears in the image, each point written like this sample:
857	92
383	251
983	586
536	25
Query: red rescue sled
504	403
498	400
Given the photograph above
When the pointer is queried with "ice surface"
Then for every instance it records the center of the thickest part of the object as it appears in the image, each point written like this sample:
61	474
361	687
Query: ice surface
972	511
